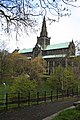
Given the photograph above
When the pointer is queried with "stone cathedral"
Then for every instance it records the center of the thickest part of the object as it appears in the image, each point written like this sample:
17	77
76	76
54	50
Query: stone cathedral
56	54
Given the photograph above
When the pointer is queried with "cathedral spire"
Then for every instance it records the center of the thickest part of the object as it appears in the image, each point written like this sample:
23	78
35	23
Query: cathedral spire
44	29
43	40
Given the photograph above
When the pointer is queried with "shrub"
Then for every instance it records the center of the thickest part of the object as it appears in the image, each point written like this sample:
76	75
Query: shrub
23	84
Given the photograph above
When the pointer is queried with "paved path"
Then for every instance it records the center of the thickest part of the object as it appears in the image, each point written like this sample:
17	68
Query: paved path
37	112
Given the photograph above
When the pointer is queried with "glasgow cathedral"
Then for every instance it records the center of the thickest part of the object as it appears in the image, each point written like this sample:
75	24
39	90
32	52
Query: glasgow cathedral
56	54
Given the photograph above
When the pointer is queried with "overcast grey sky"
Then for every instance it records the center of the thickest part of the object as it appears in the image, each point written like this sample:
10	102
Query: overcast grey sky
66	29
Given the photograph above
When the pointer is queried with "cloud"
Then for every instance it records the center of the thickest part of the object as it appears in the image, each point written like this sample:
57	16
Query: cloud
66	29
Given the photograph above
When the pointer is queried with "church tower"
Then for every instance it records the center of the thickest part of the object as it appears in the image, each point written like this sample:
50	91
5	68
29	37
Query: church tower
43	40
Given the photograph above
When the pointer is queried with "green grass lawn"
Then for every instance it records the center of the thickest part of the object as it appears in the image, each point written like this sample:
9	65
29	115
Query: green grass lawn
71	114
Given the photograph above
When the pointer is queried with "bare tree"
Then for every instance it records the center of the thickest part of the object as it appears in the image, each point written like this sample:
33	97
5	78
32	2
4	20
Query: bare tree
25	12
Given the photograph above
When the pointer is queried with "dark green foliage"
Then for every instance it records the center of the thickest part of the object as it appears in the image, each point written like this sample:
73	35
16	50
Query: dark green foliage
71	114
56	78
63	78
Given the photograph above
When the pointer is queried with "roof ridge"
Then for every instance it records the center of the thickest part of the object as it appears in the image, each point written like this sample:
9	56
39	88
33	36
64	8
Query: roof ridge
60	43
58	46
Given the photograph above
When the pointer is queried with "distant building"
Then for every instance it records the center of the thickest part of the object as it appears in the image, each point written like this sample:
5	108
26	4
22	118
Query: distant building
56	54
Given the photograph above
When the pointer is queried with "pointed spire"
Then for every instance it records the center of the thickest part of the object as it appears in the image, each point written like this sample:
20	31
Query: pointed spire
44	28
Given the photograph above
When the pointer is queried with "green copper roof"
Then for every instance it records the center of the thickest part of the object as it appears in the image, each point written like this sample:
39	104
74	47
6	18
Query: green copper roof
49	47
25	50
54	56
58	46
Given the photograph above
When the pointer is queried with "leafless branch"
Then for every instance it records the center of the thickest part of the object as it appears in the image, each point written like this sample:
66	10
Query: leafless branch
25	12
69	2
